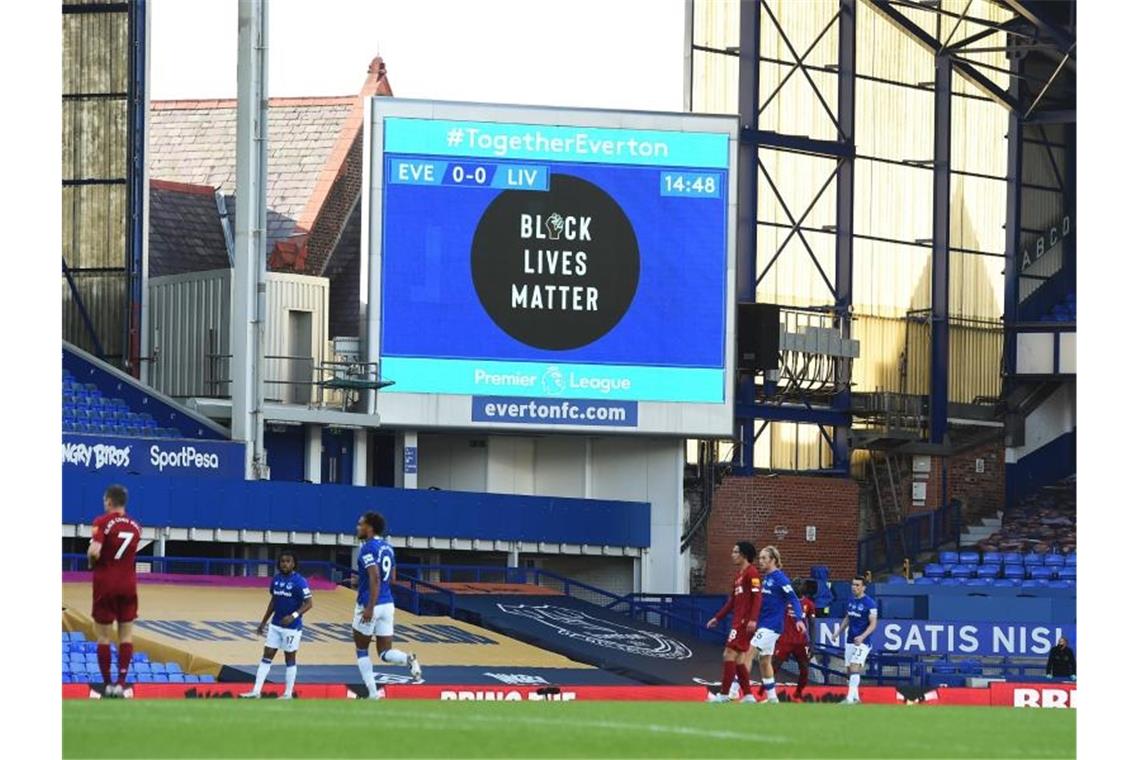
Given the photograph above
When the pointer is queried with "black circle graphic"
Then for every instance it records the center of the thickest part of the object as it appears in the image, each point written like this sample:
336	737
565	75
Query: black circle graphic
555	269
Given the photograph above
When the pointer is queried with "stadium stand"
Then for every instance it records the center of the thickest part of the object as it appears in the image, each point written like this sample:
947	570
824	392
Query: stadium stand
87	410
80	664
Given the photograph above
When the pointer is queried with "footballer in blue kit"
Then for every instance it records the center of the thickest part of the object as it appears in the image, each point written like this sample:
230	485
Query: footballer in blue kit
375	613
289	599
860	621
777	593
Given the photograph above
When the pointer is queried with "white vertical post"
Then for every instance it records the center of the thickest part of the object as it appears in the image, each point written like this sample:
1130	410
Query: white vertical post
360	457
313	453
247	317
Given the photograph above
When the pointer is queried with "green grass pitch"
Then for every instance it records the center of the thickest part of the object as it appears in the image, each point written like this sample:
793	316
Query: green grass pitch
332	728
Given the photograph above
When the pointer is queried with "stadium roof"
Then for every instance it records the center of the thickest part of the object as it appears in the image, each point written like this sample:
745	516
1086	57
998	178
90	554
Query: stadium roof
187	233
313	173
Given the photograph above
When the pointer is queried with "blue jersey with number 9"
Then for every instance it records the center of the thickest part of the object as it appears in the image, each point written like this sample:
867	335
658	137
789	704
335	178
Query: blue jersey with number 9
376	552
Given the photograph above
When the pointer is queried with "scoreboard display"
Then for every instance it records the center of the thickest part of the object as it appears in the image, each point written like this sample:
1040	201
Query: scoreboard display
552	268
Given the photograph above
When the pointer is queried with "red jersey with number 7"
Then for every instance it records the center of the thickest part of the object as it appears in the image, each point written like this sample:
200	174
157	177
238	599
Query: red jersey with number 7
115	568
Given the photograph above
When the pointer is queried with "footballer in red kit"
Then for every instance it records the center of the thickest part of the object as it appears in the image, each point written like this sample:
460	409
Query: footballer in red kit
114	595
794	643
744	603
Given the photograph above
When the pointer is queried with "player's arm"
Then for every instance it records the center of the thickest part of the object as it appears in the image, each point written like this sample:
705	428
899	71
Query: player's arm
96	546
843	627
715	619
757	599
265	618
797	608
306	604
872	621
373	591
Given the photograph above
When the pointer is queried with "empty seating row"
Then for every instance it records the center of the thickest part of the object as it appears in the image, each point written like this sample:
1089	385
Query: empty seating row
995	582
87	410
141	678
80	664
1035	572
1051	559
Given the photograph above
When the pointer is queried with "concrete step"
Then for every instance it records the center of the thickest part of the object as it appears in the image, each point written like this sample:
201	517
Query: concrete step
991	522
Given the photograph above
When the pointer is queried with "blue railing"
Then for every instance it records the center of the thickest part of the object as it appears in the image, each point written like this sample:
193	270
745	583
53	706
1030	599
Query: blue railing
926	532
224	566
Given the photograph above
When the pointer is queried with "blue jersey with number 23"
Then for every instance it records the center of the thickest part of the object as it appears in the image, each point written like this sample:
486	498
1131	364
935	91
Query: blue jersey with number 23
376	552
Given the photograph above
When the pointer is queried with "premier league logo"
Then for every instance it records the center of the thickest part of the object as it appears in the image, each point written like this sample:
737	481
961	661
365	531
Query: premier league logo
553	384
576	624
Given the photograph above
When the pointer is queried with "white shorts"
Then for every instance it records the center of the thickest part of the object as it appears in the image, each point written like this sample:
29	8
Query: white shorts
285	639
765	641
855	654
383	620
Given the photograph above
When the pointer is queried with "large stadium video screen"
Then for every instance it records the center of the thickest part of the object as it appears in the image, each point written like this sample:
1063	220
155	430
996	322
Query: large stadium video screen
558	269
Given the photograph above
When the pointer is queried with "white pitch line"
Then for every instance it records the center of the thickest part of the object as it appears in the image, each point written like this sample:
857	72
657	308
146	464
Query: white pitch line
451	718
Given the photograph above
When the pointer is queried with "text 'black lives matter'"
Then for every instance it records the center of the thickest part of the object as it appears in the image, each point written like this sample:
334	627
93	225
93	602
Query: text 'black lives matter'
555	270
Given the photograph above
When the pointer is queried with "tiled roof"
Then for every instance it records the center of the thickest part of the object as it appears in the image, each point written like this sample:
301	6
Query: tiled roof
186	233
193	141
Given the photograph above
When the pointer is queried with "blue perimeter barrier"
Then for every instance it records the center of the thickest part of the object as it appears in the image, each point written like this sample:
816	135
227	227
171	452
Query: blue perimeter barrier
273	505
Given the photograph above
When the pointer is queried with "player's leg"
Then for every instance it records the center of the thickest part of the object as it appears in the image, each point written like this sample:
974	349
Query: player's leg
850	659
273	642
292	644
103	614
126	645
743	664
103	633
362	633
804	662
728	669
385	617
765	642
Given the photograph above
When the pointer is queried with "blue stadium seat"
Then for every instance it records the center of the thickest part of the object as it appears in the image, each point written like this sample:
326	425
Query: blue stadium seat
187	678
141	667
77	636
1071	559
989	571
948	558
963	571
968	558
1004	583
144	678
206	679
952	582
979	582
159	678
1033	558
173	667
1054	560
991	558
1040	573
934	570
924	581
1067	573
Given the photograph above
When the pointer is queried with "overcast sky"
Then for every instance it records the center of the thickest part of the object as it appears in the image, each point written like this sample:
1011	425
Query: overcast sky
586	53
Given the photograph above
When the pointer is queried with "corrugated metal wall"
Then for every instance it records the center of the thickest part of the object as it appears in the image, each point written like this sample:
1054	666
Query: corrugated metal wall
190	319
893	122
94	144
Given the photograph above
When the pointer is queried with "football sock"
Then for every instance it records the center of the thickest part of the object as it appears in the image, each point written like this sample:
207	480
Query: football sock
290	678
394	656
853	686
365	666
742	676
126	652
262	673
103	652
726	677
770	687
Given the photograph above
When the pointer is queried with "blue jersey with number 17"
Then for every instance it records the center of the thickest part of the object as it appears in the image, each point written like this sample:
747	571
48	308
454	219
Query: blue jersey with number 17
376	552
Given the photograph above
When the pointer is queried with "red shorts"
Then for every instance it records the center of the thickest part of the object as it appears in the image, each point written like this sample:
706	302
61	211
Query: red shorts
739	639
785	651
109	608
